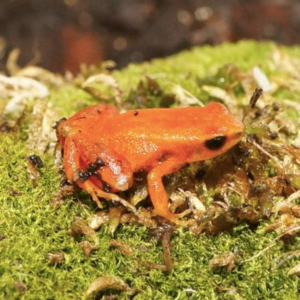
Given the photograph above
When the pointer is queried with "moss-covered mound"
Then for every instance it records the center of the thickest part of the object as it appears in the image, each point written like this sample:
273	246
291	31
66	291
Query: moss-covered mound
39	256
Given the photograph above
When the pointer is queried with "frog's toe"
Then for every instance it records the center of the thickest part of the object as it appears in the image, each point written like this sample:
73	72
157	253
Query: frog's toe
113	197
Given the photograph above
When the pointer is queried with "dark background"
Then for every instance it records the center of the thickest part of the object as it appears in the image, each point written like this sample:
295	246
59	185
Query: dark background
59	35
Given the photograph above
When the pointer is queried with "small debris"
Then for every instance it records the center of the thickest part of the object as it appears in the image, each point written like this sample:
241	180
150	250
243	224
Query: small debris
87	248
295	270
153	85
41	136
97	220
90	85
56	258
144	217
261	79
227	260
190	292
19	88
36	160
286	259
180	197
80	229
152	266
285	222
290	231
221	94
57	198
254	98
20	91
183	97
20	287
163	233
107	282
140	194
33	163
166	243
121	246
42	75
114	217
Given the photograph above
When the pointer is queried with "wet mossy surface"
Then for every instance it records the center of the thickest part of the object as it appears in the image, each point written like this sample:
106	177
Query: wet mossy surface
30	227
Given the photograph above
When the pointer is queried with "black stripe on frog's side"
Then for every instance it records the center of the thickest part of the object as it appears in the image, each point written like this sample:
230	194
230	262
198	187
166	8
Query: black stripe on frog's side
215	143
92	170
83	176
100	163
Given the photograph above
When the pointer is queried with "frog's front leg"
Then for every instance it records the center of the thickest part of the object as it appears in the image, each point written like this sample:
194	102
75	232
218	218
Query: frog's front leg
157	190
77	158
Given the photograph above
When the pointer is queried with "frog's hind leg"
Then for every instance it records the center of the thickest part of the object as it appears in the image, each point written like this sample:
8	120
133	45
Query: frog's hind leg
104	164
75	164
158	193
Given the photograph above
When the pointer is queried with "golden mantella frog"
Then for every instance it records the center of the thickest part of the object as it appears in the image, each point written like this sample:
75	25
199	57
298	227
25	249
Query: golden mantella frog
103	148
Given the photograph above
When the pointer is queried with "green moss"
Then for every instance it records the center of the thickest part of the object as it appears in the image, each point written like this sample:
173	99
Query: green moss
185	67
30	228
69	99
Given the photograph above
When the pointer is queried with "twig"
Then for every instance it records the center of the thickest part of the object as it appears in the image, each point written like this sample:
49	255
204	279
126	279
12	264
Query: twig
266	153
289	231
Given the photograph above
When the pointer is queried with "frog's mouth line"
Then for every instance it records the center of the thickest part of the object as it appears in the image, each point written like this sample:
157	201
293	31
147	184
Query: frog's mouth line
232	140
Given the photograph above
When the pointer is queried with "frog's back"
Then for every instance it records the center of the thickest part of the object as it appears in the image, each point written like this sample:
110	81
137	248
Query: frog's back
145	136
177	124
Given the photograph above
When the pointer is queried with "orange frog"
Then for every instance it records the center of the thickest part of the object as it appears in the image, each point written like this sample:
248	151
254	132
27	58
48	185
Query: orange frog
103	148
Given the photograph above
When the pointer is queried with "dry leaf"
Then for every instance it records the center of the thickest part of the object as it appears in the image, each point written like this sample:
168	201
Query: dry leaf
107	282
294	270
121	246
223	260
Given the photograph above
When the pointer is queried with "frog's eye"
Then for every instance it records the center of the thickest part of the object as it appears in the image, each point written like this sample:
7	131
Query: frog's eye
215	143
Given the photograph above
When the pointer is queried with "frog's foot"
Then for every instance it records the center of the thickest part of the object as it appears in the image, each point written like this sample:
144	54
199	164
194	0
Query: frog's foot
92	165
97	161
97	193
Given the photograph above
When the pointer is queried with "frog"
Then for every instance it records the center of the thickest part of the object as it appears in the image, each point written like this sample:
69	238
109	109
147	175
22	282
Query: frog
103	149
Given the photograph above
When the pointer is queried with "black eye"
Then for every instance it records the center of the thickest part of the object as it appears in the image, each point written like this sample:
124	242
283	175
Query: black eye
215	143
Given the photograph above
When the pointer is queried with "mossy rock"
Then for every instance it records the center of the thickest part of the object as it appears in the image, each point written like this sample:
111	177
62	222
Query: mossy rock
30	228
